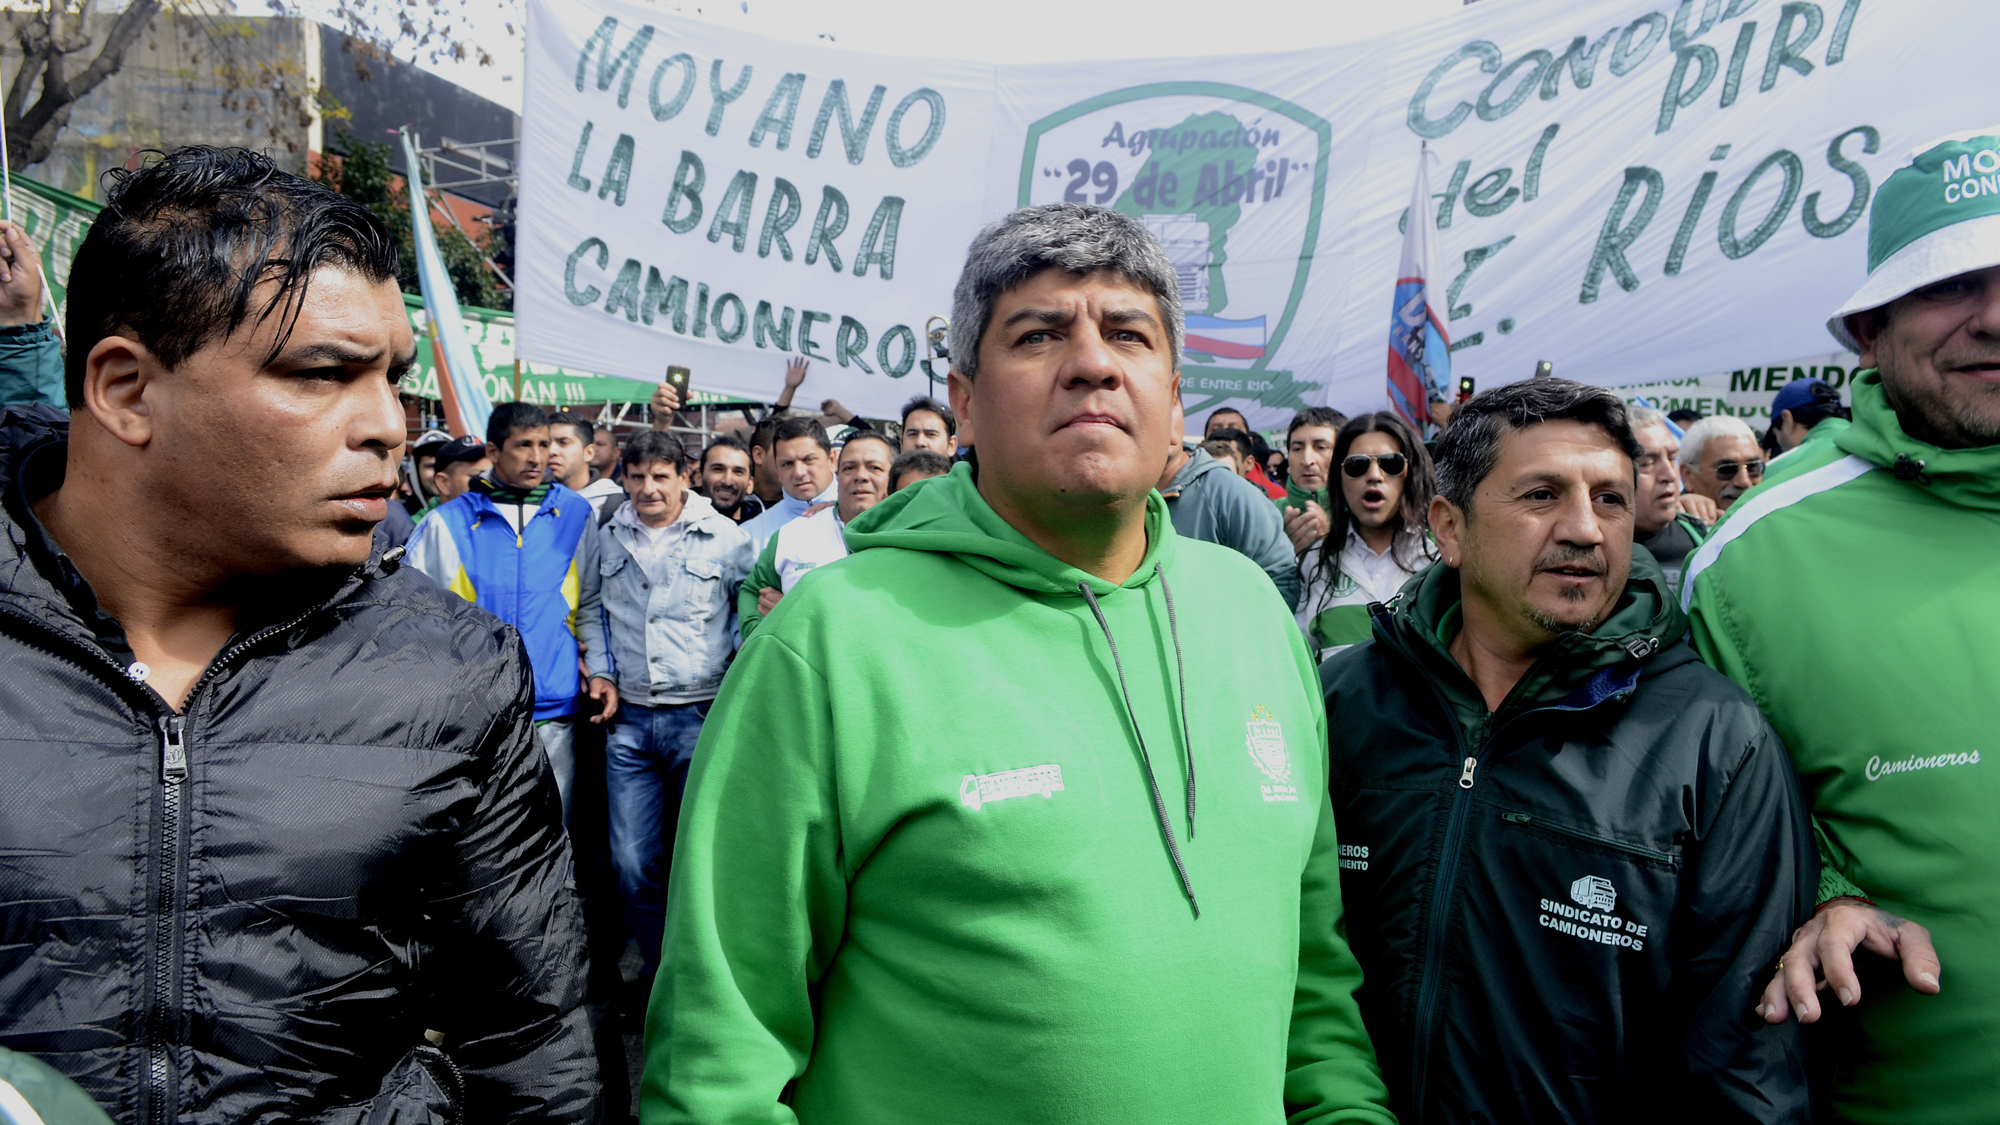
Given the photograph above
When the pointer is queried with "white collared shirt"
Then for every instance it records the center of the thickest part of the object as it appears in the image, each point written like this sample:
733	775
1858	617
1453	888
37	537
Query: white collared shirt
1365	576
651	545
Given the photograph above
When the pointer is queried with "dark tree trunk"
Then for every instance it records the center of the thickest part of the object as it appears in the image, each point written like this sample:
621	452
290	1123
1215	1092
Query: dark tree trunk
45	48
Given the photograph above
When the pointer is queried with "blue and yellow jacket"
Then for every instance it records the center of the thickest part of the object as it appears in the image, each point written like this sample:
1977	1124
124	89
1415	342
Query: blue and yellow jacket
542	580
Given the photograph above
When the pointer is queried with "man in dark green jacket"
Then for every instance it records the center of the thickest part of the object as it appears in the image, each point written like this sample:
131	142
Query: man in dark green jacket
1571	851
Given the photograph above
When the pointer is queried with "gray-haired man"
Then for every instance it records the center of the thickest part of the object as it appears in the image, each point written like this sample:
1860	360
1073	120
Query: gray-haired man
1720	459
871	923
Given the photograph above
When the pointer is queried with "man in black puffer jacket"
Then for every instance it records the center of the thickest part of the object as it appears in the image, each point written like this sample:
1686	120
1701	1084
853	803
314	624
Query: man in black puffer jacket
273	804
1570	851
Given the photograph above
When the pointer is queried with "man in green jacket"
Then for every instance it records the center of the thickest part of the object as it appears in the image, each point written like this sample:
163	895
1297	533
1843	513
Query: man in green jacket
1856	595
1019	922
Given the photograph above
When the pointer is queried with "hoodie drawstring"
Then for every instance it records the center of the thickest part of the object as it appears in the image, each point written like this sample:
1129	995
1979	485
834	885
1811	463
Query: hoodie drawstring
1152	782
1180	678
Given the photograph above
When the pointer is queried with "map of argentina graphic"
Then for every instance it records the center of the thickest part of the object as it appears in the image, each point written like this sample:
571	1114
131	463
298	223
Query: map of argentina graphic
1232	181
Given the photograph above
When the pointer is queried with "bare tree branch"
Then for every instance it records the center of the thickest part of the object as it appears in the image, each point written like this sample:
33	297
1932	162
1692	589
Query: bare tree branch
31	131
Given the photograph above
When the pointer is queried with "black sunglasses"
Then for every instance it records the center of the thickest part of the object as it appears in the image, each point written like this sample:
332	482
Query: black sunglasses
1726	470
1392	464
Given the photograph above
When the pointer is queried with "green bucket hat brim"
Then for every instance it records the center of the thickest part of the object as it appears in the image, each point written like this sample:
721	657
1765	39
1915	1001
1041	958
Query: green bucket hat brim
1934	218
1960	248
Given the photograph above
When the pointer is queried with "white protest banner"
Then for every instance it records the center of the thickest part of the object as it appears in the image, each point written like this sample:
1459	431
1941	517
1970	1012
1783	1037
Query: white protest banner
699	196
1635	190
1746	392
1640	191
1246	169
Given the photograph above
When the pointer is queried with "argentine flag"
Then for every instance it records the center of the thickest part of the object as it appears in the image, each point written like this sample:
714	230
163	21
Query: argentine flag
1226	339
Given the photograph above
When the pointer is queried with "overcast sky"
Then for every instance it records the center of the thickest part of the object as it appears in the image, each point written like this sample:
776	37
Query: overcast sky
1018	31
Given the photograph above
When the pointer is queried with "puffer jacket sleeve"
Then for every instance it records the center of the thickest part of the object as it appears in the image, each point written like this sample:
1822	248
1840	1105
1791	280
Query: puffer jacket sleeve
510	954
31	364
1751	884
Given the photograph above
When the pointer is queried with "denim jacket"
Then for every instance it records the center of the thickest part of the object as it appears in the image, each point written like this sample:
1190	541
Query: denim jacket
671	639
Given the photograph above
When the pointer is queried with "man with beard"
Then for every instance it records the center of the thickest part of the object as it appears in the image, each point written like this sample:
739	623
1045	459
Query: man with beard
1855	595
1658	522
1379	536
726	477
1721	459
804	545
1570	850
604	458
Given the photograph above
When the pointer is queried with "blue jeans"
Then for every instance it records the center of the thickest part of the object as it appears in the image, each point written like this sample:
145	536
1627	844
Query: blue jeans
646	762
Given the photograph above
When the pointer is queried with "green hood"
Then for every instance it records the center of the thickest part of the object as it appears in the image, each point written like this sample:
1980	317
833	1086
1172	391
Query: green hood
1426	620
947	515
1969	478
894	909
1296	497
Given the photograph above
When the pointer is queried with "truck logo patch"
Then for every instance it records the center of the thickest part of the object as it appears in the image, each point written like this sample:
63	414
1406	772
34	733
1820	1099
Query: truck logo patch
1594	892
1591	919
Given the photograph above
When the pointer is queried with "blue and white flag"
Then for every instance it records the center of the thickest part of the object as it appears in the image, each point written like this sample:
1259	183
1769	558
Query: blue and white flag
1419	348
462	386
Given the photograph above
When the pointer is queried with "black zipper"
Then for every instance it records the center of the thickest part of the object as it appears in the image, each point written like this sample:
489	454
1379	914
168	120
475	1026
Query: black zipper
160	1014
1545	825
1429	979
449	1078
164	1018
172	728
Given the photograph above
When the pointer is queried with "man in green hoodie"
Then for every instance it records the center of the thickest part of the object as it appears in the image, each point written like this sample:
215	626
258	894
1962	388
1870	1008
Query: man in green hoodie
1856	594
1020	923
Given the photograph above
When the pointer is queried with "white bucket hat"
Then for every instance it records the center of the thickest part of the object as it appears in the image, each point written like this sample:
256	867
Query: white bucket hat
1935	218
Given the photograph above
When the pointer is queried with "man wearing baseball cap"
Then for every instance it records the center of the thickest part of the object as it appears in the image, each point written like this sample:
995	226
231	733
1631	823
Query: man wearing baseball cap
423	462
1805	411
457	462
1884	702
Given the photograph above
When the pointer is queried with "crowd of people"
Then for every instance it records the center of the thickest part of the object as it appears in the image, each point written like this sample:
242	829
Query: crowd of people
1561	761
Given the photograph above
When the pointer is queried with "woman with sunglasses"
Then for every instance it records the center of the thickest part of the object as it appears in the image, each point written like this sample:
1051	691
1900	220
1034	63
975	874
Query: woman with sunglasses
1379	534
